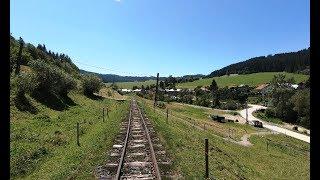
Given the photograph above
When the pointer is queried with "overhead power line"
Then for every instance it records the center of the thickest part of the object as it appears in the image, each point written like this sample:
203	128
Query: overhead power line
109	69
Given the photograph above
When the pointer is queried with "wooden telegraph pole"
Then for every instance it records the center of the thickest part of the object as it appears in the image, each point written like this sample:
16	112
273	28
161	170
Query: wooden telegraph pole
247	112
206	158
167	115
78	134
103	114
156	94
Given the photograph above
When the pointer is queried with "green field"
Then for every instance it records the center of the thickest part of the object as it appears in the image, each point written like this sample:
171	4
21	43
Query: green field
43	145
248	79
129	85
285	157
222	81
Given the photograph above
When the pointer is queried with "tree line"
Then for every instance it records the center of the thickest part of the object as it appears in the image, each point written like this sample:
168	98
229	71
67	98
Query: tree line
289	62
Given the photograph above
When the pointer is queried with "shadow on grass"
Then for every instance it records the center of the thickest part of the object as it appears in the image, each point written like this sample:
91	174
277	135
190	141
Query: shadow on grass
54	101
23	104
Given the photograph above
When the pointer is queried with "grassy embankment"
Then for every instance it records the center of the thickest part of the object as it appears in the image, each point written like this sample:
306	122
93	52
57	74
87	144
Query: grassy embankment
285	158
43	143
109	93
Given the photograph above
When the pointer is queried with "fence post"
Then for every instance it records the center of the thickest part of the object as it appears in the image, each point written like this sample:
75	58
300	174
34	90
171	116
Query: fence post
206	158
167	115
78	132
107	112
103	114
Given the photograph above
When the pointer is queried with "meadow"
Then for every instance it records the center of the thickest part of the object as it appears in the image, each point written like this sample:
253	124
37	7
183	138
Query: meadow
248	79
283	158
129	85
254	79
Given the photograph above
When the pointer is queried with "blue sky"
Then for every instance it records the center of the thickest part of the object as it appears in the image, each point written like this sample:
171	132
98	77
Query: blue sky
172	37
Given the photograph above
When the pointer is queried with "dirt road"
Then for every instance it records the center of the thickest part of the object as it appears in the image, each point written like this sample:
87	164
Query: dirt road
272	126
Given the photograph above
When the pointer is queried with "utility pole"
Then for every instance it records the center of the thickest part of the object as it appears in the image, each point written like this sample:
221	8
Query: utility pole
167	115
156	94
247	112
19	56
206	158
78	134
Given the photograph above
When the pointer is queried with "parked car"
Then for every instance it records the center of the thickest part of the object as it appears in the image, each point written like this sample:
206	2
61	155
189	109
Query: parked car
257	124
218	118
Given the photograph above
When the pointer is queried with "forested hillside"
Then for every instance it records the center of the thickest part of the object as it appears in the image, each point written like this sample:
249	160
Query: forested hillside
30	53
288	62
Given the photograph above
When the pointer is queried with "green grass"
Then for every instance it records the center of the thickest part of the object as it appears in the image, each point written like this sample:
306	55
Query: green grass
248	79
200	118
43	145
286	158
222	81
129	85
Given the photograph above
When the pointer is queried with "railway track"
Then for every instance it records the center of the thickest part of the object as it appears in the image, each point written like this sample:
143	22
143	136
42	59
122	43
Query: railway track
136	153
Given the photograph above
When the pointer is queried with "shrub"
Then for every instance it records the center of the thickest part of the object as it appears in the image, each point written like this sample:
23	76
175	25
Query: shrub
91	84
25	83
270	112
230	105
51	79
161	105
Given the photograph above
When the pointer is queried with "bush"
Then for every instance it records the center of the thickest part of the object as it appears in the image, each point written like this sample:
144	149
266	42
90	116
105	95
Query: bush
202	101
51	79
161	105
91	84
25	83
269	112
230	105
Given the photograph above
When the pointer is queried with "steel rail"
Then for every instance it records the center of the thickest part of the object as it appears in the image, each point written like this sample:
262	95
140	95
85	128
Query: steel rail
124	146
154	160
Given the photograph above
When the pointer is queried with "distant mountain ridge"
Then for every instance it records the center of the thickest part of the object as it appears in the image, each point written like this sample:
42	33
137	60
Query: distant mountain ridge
107	78
289	62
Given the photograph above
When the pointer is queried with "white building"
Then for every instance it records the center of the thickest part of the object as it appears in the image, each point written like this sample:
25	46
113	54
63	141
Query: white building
126	90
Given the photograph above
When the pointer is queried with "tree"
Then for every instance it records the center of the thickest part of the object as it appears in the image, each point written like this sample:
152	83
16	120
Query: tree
198	92
214	88
91	84
161	84
21	42
280	95
51	79
301	105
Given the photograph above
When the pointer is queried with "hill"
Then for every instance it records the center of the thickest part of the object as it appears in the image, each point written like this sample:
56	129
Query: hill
32	53
246	79
46	103
288	62
109	78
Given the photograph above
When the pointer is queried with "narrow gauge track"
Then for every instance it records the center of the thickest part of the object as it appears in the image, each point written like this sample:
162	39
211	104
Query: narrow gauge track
134	157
